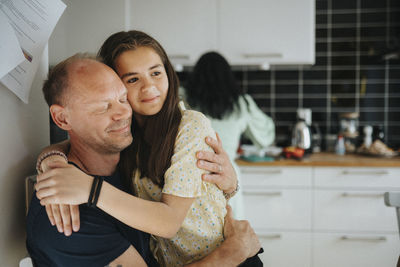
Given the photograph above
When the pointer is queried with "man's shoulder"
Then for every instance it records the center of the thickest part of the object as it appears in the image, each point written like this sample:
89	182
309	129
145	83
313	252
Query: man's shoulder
97	242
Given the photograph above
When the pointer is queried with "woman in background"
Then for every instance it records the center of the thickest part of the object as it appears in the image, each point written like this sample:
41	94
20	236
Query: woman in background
212	90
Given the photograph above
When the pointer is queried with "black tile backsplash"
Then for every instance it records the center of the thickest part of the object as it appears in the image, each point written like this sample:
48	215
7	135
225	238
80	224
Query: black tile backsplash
349	75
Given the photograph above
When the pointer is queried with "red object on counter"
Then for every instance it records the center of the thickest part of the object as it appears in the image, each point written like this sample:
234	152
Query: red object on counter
293	152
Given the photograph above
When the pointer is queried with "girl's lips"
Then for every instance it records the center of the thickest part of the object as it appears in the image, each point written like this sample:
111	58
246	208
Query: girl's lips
149	99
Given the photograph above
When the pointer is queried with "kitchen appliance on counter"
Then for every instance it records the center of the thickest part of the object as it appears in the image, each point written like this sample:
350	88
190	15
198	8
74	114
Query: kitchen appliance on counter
301	134
349	130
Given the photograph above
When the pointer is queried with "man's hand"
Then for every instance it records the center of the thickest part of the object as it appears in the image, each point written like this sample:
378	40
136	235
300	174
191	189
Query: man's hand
241	237
240	243
222	172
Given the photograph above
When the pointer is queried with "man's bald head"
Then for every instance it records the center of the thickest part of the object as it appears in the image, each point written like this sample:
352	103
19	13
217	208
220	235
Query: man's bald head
56	86
89	100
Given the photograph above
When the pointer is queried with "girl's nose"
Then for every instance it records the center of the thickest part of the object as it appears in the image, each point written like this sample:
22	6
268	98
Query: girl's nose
147	84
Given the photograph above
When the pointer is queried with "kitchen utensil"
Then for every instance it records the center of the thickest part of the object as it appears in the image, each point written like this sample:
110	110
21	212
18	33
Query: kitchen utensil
349	130
301	134
316	138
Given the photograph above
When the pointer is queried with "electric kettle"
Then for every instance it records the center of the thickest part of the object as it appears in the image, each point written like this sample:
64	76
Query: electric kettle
301	134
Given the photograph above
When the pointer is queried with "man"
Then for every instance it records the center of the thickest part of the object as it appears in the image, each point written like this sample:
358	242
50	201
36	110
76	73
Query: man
88	99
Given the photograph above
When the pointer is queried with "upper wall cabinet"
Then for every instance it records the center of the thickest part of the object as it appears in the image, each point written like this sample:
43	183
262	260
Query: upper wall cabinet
267	31
251	32
185	28
246	32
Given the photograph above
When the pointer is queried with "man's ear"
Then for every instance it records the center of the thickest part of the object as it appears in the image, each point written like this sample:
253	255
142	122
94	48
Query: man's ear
60	116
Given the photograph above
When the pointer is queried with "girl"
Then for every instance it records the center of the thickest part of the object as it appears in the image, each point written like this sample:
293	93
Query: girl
185	214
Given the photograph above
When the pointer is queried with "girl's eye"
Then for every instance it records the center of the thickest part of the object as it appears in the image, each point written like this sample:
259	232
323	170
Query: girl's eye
156	73
132	80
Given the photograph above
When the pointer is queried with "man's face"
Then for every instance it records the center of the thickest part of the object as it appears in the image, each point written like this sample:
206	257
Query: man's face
97	108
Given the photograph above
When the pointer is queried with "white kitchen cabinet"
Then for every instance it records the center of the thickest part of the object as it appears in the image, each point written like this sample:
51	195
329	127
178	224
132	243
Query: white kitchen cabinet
277	203
185	28
338	213
278	208
350	210
357	177
267	31
249	32
291	177
352	224
355	250
285	248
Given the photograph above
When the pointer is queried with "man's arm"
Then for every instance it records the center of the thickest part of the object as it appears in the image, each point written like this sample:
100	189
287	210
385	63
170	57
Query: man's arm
219	165
240	243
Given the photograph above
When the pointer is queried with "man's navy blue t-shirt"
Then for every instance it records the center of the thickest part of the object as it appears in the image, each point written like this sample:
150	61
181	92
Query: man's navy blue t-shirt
100	239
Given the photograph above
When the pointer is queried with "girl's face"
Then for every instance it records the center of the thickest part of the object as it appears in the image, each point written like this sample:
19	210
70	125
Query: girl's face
144	75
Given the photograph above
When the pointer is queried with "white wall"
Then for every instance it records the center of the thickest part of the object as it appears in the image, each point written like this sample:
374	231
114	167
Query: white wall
24	130
84	26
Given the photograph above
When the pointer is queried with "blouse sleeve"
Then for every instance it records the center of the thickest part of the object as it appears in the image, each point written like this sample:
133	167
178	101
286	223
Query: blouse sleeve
260	128
183	177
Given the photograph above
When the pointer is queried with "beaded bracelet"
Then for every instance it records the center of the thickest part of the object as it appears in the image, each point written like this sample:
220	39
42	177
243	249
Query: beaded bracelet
45	156
231	194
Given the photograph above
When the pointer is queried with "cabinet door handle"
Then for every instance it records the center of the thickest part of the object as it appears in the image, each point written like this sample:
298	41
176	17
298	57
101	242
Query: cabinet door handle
353	194
179	56
262	55
273	171
263	193
364	238
369	173
270	236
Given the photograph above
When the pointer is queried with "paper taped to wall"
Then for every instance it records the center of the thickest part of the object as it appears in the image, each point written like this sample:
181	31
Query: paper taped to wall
10	51
32	21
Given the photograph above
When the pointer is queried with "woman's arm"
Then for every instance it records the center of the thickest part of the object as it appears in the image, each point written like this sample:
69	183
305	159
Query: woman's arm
67	184
260	128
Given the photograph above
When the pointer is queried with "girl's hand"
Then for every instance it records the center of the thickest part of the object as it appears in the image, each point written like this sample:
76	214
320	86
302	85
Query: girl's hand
64	217
64	184
222	172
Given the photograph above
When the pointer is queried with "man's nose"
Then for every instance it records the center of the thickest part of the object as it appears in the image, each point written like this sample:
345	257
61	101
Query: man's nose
122	111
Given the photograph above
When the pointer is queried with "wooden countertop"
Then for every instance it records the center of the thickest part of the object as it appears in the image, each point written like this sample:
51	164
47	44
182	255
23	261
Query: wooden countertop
330	160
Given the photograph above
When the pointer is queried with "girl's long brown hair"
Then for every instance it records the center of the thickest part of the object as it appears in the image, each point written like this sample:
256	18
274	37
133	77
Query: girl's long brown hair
153	143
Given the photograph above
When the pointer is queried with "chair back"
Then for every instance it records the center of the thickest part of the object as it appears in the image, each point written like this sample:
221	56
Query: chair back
29	189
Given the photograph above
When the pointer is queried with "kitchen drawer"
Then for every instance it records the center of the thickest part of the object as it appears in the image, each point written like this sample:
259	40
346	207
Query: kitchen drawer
357	177
352	211
275	176
349	250
285	249
278	209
